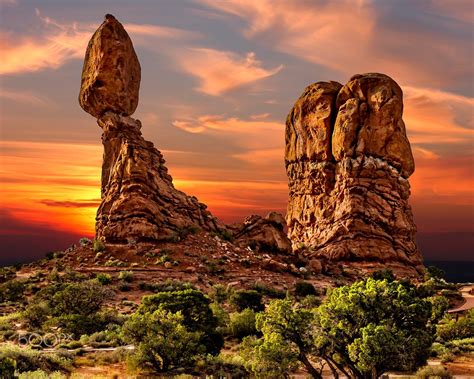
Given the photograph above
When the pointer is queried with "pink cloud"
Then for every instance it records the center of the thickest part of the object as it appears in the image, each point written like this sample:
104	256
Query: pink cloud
221	71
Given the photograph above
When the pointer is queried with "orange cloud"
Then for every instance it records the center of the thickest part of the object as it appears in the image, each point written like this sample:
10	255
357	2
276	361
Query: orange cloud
363	36
57	43
26	97
221	71
437	117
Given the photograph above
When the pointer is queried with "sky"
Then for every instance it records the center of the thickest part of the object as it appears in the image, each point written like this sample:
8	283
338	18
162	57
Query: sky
218	79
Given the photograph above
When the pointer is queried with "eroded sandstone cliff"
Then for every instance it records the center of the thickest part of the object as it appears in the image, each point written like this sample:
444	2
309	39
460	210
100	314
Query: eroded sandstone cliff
348	161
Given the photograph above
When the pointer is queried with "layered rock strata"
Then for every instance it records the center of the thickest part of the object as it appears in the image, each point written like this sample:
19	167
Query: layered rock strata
348	161
138	199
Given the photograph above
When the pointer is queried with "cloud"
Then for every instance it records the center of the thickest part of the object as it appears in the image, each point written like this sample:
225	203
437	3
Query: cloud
57	43
72	204
438	118
415	44
221	71
26	97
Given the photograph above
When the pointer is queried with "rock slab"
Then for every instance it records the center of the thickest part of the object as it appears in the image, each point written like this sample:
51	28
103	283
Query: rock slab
348	160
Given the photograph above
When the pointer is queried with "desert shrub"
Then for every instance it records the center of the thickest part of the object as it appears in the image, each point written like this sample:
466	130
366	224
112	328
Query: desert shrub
7	367
434	272
31	360
224	234
225	365
385	273
111	337
169	285
84	241
242	299
36	313
126	276
40	374
303	289
187	230
7	274
433	372
13	290
83	298
98	246
269	291
161	340
124	287
104	279
242	324
195	309
451	329
221	316
219	293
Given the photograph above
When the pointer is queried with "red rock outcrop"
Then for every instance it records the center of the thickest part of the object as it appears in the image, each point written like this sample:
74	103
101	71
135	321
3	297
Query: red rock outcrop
348	161
138	199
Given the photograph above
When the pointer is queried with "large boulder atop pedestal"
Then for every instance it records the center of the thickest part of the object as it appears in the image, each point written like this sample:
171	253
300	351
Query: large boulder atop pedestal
111	72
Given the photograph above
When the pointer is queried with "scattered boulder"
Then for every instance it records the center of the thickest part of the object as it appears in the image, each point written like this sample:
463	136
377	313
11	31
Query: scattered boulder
263	233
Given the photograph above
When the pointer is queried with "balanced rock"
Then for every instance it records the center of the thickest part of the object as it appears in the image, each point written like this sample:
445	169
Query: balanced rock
111	72
138	199
348	159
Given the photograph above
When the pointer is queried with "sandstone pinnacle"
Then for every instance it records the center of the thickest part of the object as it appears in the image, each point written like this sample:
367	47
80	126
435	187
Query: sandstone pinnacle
348	159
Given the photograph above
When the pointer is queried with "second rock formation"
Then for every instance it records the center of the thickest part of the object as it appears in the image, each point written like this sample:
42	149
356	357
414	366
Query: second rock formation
348	161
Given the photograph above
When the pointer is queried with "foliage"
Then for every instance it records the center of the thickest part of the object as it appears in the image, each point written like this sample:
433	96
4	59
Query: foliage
169	285
269	291
287	340
243	324
434	272
242	299
195	309
7	367
161	340
219	293
84	241
223	318
104	279
36	313
6	274
40	374
303	289
374	326
451	329
386	274
30	360
13	290
126	276
98	246
433	372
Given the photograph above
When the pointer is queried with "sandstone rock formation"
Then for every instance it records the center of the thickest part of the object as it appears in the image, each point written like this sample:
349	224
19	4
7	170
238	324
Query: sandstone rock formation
263	233
138	199
348	161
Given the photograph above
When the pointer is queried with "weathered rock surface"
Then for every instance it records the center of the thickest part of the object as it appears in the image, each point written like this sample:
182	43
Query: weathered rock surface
263	233
111	72
348	160
138	199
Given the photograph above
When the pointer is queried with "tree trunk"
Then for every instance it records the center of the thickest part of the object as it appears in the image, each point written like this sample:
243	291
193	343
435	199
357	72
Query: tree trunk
311	370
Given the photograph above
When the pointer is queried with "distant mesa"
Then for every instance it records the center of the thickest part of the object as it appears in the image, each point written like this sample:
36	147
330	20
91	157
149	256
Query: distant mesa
348	159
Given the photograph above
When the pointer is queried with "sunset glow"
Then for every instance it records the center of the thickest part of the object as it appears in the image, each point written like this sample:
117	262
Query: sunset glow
218	79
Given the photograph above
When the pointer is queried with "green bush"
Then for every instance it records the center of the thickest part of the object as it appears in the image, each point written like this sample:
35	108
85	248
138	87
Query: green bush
219	293
104	279
434	272
243	299
162	341
243	324
98	246
7	367
196	312
36	313
126	276
13	290
451	329
433	372
384	274
169	285
40	374
303	289
269	291
31	360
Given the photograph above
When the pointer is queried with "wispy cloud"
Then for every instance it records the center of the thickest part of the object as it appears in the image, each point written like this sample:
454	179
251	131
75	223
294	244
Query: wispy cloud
57	43
221	71
26	97
364	36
